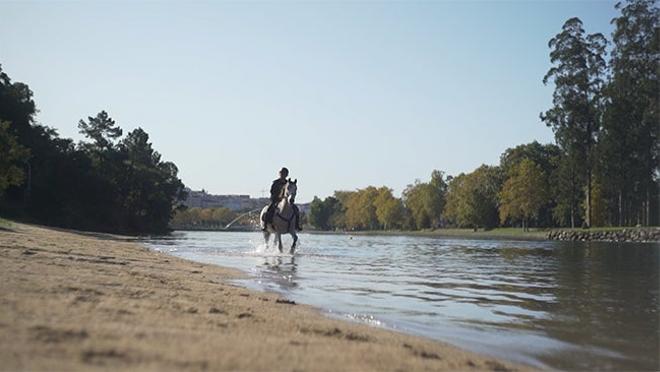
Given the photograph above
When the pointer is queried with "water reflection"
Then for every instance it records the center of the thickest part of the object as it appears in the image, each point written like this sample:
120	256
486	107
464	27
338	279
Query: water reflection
566	305
279	270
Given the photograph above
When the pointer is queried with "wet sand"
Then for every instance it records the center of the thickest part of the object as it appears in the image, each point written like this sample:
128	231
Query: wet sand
72	301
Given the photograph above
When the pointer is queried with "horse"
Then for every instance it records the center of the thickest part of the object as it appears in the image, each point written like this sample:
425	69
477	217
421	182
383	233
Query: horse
284	219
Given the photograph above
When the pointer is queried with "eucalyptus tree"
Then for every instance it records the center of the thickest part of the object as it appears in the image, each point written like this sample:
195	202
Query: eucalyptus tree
578	73
630	130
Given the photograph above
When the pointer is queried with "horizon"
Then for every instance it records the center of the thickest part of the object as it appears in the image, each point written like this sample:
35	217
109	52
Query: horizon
368	93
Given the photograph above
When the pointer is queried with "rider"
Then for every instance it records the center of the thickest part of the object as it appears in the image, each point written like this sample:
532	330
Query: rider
276	195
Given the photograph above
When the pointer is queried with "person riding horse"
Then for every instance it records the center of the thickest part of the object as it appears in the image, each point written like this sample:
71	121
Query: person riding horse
276	195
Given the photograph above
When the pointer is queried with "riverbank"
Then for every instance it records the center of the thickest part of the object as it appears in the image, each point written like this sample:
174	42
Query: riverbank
72	300
498	233
605	234
637	234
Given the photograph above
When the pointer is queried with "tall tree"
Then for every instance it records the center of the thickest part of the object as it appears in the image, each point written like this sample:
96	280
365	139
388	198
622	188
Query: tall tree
578	74
150	188
629	144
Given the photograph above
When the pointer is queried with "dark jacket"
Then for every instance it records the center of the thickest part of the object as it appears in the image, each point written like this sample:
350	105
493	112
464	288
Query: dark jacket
277	190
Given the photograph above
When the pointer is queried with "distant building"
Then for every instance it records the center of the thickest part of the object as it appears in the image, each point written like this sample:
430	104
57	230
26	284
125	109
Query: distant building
201	199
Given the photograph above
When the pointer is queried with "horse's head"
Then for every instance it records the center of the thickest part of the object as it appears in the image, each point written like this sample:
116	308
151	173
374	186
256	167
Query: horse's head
291	188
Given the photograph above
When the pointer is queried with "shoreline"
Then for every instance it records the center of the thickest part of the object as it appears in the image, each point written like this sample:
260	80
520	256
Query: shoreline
72	300
605	234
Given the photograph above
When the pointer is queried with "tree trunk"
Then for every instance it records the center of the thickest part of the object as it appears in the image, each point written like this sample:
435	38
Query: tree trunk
588	214
648	208
620	223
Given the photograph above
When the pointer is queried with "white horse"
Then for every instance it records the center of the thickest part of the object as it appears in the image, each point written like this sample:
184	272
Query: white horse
284	219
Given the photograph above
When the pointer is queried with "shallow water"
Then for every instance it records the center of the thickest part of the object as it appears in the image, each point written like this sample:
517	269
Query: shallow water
563	305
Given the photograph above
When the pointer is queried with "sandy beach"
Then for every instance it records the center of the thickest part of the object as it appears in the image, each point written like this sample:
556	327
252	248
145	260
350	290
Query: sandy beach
72	301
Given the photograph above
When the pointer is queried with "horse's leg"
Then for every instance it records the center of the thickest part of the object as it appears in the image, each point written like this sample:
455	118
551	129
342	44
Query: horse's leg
295	240
279	241
266	237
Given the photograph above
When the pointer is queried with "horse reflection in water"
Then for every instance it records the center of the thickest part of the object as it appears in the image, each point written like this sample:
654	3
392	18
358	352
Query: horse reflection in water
280	270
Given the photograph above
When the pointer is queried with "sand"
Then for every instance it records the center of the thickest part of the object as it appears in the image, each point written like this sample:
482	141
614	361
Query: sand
79	301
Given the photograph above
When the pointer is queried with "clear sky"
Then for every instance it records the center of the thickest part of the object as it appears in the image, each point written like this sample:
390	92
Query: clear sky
345	94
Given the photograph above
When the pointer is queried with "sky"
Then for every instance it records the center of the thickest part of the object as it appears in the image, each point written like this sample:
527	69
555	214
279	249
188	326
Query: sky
345	94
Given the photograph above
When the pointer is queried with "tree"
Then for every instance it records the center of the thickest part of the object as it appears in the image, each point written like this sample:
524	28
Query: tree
17	107
426	201
524	193
578	73
389	210
547	156
360	209
101	129
472	198
326	214
95	185
629	144
150	188
12	157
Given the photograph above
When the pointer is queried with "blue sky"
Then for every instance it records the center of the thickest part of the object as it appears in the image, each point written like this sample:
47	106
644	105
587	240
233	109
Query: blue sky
345	94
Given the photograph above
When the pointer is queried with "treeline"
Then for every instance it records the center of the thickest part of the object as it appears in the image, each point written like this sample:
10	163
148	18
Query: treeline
602	171
202	218
513	193
605	119
108	182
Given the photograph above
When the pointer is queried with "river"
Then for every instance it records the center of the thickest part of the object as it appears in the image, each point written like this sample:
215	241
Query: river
564	305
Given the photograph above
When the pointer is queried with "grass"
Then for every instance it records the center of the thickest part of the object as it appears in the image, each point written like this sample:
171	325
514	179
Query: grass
5	223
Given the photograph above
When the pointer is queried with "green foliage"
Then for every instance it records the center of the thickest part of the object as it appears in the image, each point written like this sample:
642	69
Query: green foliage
524	193
325	214
12	157
149	187
389	210
361	209
472	198
425	201
578	73
102	130
96	185
629	142
547	156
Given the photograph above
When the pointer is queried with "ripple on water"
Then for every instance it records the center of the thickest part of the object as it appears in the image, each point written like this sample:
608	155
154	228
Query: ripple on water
550	304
